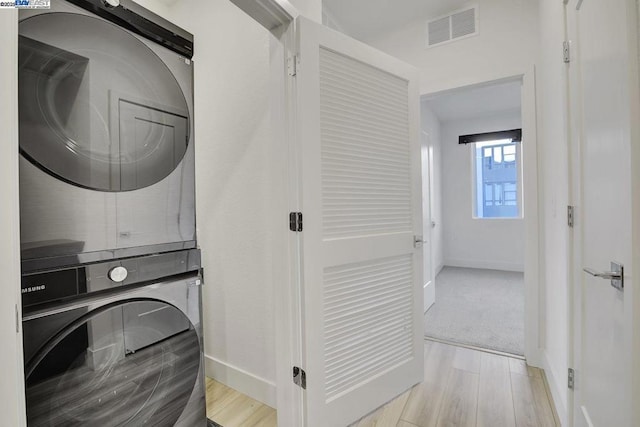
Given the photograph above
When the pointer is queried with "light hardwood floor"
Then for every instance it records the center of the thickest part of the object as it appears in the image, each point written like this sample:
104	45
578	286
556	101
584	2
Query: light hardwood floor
230	408
461	387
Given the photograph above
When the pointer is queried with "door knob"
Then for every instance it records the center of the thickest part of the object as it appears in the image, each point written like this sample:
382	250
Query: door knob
418	241
616	275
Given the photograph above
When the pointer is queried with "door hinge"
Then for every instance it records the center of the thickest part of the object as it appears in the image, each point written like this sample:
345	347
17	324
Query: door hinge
295	221
292	65
571	378
570	216
300	377
17	320
566	52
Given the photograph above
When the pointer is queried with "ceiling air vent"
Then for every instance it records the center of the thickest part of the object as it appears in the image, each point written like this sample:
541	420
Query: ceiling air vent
440	31
452	27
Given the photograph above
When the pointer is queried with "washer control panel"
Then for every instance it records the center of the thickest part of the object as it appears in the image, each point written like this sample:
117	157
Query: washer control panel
118	274
44	287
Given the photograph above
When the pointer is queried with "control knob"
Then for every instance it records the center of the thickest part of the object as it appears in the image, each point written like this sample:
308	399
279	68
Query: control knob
118	274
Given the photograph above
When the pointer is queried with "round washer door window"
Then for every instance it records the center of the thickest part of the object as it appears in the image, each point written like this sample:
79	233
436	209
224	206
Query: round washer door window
97	107
130	364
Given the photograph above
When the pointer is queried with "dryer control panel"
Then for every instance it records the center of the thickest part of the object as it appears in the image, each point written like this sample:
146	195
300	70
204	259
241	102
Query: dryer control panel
61	284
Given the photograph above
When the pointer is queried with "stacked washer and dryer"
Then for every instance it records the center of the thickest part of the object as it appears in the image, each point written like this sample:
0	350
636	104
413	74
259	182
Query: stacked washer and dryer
111	279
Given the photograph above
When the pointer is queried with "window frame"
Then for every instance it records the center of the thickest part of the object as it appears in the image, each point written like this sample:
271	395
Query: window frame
475	187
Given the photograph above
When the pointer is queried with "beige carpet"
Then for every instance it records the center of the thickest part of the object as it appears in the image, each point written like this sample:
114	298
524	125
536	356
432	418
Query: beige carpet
483	308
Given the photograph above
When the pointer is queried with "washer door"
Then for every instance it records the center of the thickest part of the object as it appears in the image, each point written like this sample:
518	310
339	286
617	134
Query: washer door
98	108
88	375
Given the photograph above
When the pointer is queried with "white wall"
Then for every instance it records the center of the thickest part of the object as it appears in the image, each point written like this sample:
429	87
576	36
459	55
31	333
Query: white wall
468	242
507	45
311	9
553	143
236	176
241	177
12	385
431	125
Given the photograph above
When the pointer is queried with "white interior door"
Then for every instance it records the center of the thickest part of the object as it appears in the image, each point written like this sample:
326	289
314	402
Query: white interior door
429	290
603	85
357	115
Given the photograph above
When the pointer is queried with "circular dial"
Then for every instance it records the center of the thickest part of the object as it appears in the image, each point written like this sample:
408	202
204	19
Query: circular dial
118	274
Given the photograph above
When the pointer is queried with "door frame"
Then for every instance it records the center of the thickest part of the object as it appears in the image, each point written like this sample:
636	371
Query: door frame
289	293
278	17
290	399
576	275
287	290
12	389
426	153
574	259
531	197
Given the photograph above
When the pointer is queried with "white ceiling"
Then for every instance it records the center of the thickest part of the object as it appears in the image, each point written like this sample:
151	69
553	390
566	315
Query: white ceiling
476	102
363	19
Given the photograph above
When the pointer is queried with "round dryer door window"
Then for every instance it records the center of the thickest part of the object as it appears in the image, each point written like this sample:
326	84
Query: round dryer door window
98	108
129	364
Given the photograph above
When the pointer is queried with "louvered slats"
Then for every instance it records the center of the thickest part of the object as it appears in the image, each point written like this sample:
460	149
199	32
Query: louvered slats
448	28
367	316
365	149
439	31
463	23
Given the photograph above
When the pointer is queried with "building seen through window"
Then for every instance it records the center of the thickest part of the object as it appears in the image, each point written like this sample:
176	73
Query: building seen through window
497	187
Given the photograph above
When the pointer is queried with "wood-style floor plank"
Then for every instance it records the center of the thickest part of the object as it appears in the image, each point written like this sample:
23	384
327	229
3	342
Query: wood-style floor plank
460	400
461	387
223	403
264	416
495	401
423	405
237	412
544	408
467	360
216	391
523	401
438	361
230	408
424	402
388	415
531	402
518	366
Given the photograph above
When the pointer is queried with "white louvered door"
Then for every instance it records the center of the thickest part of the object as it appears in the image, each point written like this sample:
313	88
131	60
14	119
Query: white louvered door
357	121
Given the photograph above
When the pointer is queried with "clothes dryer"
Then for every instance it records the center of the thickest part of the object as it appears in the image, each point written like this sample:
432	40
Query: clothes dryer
106	134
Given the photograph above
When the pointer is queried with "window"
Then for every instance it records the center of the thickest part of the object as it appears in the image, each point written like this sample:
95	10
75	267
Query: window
497	179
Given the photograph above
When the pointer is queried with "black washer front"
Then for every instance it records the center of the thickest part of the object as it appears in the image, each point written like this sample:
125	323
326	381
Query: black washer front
87	368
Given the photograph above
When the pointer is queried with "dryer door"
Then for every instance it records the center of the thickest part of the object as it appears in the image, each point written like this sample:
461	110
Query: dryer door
86	375
98	108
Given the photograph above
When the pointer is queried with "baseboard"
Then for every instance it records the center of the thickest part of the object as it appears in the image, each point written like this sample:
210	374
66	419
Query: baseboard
487	265
555	386
246	383
438	270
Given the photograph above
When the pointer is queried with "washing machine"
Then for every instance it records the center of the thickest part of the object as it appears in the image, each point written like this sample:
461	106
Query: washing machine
115	344
106	134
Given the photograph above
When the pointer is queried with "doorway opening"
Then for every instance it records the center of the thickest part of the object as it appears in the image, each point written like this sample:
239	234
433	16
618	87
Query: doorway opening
472	137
